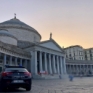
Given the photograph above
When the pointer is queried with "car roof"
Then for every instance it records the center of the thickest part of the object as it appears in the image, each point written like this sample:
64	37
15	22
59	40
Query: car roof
14	67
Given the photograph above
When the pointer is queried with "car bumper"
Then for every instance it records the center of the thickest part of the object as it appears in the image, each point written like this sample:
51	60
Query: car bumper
6	83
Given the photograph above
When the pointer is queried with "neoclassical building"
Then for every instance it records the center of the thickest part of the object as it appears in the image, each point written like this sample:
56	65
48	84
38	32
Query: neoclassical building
75	52
20	44
79	67
79	60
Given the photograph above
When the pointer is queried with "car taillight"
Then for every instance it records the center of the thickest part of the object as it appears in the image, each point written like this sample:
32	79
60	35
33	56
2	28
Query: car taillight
27	73
6	73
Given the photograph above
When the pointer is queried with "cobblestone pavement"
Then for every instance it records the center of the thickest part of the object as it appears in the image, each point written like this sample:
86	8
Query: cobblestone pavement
79	85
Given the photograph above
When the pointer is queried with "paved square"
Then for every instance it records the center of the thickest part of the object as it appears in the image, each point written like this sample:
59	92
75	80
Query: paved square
79	85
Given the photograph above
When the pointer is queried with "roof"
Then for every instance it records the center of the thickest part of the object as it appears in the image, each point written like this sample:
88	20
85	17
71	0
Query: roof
16	22
14	49
53	42
73	46
5	32
24	44
8	66
89	48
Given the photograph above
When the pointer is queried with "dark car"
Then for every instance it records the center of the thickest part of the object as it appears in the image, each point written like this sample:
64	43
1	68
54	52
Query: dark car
15	77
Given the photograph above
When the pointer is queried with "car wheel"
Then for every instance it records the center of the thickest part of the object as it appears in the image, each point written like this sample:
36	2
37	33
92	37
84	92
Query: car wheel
28	88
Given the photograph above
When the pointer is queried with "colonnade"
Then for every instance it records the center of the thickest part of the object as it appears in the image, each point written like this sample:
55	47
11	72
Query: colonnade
77	69
50	63
13	60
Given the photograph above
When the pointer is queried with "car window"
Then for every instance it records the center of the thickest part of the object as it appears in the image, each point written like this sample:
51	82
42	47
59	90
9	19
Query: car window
16	69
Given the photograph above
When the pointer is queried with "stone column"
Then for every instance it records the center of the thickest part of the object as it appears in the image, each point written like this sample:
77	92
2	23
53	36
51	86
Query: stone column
54	65
78	69
21	62
40	61
16	61
57	65
50	69
35	64
4	59
25	63
73	67
10	60
67	67
45	61
64	64
70	69
91	68
84	68
61	65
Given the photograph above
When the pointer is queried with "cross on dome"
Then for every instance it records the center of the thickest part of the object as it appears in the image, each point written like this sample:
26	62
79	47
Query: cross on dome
14	15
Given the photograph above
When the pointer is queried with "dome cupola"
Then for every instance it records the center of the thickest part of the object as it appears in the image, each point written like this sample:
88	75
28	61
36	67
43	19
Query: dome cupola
21	30
7	37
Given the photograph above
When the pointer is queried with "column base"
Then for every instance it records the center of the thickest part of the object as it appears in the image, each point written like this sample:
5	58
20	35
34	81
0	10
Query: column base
49	76
64	76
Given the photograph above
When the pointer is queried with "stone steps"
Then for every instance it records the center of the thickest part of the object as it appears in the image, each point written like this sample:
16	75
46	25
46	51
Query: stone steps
51	76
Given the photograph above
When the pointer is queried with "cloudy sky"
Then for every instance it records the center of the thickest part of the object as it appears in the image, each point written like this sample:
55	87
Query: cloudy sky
70	21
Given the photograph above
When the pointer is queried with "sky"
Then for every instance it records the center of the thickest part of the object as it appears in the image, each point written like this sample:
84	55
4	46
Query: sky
69	21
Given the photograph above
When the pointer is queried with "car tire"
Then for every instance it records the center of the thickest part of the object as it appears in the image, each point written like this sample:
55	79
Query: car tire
28	88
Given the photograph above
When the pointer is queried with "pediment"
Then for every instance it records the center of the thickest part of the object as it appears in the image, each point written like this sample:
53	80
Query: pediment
51	44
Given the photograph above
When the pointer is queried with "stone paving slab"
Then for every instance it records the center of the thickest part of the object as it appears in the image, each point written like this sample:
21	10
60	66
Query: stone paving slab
79	85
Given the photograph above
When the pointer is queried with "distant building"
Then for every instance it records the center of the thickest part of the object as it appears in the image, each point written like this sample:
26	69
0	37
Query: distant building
79	60
74	53
88	53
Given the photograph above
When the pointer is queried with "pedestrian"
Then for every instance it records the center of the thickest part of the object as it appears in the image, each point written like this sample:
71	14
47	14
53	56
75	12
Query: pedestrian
71	77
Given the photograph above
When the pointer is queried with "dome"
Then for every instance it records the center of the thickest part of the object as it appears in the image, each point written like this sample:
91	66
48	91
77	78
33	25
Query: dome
7	37
17	23
6	33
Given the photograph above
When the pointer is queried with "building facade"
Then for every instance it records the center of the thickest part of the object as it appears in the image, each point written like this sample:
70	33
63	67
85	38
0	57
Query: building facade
75	53
88	53
79	61
79	67
20	44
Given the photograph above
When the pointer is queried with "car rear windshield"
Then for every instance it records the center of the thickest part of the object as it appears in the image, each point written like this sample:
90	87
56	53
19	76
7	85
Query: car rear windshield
16	69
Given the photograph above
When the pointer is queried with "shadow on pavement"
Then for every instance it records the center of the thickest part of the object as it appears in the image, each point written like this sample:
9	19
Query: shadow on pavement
14	91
